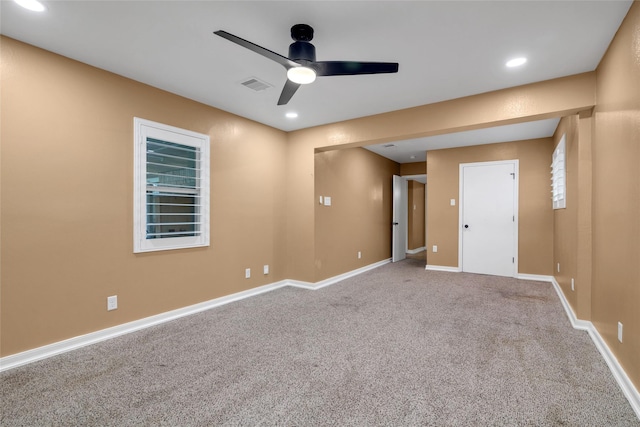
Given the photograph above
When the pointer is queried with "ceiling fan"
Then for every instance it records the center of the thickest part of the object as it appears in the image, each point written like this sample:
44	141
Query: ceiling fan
302	67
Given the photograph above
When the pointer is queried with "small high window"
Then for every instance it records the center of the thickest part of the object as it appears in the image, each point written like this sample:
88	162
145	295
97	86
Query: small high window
558	176
171	187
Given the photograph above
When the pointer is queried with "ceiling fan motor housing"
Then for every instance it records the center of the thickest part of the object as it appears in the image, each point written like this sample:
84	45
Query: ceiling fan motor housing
302	33
302	51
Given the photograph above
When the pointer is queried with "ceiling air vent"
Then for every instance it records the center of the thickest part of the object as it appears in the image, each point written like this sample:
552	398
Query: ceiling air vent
255	84
389	145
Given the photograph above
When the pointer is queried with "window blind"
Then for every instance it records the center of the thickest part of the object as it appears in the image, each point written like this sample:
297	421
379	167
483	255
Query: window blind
173	175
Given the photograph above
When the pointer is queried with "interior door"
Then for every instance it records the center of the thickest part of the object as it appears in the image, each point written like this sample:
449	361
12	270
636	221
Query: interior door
488	218
399	225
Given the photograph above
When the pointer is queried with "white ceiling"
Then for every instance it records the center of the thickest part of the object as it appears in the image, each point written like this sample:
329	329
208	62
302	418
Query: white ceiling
446	49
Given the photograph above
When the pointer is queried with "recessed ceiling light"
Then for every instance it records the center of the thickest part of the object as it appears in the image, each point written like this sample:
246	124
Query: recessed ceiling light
291	115
33	5
413	156
516	62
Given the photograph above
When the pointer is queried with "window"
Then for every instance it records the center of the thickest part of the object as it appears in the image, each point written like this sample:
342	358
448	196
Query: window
171	187
558	176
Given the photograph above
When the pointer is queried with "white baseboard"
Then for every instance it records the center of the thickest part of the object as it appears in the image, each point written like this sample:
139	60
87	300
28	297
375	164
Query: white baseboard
29	356
415	251
534	277
442	268
338	278
628	389
583	325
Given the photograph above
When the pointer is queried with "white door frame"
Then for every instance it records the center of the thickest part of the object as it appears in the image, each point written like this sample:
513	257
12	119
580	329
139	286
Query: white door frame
399	219
516	168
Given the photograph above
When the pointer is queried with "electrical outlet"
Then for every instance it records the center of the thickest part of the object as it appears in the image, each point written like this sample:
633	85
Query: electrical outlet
247	273
359	255
112	302
435	249
265	269
573	284
620	331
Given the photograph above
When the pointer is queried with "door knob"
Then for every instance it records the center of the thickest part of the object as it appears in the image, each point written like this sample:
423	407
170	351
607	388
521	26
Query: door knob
395	223
466	226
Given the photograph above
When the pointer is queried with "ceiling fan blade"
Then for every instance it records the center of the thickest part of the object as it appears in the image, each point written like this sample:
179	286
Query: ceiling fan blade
349	68
287	92
282	60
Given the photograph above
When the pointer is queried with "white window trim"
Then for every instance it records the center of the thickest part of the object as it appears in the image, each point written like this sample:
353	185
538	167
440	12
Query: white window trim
142	130
559	175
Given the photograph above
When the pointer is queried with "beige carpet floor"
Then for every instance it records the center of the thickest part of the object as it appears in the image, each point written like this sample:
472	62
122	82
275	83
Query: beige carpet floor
396	346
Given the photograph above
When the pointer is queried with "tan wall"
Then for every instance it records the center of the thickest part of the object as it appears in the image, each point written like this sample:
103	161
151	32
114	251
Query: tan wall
535	226
359	183
572	238
565	238
616	196
301	204
416	234
416	168
553	98
67	202
536	101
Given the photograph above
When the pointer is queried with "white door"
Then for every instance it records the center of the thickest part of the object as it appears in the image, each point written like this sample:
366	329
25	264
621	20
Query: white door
399	225
488	217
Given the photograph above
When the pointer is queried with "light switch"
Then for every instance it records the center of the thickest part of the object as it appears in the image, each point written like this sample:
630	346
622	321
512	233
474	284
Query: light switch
453	202
327	201
321	201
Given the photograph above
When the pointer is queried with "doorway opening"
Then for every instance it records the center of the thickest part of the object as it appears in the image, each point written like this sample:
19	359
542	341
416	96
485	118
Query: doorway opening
409	217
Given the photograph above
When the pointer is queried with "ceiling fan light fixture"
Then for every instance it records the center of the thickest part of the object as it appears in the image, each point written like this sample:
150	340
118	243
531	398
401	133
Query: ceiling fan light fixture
301	75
